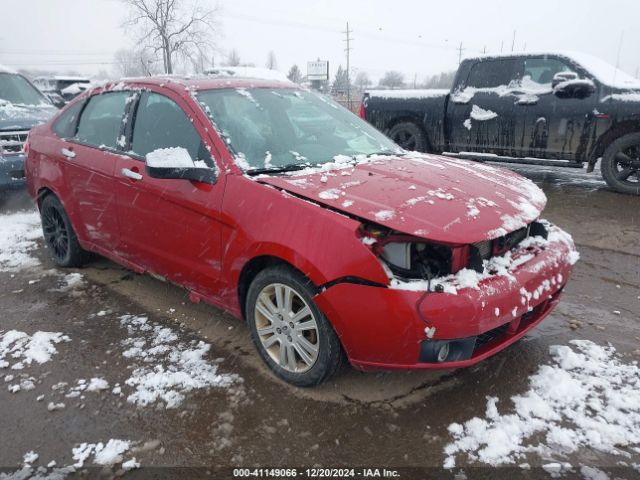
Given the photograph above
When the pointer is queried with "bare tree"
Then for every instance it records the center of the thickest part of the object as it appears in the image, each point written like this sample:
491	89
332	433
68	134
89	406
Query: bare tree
392	79
172	28
134	63
233	59
294	74
362	80
271	64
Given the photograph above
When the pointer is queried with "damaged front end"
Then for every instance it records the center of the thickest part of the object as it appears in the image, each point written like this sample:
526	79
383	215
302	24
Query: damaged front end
449	306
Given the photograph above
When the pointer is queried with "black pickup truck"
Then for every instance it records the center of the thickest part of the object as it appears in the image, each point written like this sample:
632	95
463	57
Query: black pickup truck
559	109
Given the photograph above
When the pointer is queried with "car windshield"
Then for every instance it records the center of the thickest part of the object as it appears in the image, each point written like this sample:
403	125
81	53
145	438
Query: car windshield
16	89
269	128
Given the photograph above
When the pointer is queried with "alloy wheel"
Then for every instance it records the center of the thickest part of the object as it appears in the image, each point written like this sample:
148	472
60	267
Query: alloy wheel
56	234
287	328
627	166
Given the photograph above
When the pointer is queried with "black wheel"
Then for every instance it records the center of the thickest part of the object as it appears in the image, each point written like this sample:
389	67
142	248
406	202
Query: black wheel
292	335
409	136
62	242
621	164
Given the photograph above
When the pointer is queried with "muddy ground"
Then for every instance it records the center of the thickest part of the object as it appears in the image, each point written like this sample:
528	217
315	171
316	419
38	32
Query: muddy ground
357	419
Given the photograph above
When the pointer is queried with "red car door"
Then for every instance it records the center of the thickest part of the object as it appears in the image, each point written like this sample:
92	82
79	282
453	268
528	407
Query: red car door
170	227
88	160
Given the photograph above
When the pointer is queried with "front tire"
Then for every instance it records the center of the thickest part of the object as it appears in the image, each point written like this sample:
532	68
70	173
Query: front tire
292	335
621	164
409	136
59	235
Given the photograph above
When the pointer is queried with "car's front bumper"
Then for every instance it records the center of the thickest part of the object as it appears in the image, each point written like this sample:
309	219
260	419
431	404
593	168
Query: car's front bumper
385	328
12	172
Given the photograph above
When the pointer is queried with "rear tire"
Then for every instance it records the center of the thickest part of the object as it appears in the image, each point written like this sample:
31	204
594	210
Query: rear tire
59	235
621	164
409	136
292	335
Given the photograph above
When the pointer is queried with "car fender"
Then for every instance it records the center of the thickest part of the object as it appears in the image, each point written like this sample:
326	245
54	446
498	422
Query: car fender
321	243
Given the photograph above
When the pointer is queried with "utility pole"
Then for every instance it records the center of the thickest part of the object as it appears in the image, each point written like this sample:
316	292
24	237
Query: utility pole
615	72
460	50
348	39
513	42
501	46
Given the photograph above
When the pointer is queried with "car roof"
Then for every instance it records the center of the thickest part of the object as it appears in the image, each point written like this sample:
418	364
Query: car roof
176	82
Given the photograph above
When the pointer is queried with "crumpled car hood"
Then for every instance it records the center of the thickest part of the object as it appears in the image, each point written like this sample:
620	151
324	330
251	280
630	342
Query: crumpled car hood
438	198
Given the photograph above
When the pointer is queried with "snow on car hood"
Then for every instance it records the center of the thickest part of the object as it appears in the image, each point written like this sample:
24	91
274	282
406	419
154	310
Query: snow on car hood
18	117
438	198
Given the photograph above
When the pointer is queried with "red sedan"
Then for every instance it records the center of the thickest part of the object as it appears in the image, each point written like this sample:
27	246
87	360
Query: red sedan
283	208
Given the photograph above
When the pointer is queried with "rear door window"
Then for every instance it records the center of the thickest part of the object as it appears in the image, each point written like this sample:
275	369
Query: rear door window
492	73
102	120
161	123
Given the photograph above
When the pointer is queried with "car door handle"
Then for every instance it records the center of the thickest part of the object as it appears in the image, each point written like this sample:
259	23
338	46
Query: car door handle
131	174
68	153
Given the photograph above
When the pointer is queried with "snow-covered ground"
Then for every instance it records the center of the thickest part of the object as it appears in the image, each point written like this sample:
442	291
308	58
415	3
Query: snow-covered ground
19	233
161	366
166	368
587	397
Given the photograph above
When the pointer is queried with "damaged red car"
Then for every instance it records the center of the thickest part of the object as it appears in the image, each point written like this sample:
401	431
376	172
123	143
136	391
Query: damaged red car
281	207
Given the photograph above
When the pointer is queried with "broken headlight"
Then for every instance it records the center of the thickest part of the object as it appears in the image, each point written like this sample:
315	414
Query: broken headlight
416	259
409	257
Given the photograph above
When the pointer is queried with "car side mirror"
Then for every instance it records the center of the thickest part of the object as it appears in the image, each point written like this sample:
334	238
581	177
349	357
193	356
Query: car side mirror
176	163
561	77
577	88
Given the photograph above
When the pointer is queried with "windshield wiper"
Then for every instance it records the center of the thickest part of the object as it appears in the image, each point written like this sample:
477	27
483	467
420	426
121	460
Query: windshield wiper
278	169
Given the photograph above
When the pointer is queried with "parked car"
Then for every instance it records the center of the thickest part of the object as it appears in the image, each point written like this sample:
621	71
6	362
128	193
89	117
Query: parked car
559	109
61	88
21	107
330	244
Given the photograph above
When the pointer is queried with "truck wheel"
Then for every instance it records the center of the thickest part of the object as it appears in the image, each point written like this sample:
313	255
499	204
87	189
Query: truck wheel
621	164
62	242
409	136
292	335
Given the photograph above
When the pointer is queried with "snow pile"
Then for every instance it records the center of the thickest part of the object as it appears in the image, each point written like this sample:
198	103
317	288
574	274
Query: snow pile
105	455
331	194
482	115
524	90
93	385
19	232
168	368
340	162
502	266
587	398
71	281
173	157
248	72
24	349
623	97
383	215
108	454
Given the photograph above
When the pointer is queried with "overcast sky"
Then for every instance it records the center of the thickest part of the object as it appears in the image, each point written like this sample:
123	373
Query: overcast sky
417	37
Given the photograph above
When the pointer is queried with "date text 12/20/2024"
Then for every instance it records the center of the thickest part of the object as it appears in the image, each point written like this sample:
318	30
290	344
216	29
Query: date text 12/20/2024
315	473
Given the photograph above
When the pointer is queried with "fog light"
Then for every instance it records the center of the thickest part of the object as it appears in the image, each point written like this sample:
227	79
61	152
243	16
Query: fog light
443	352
